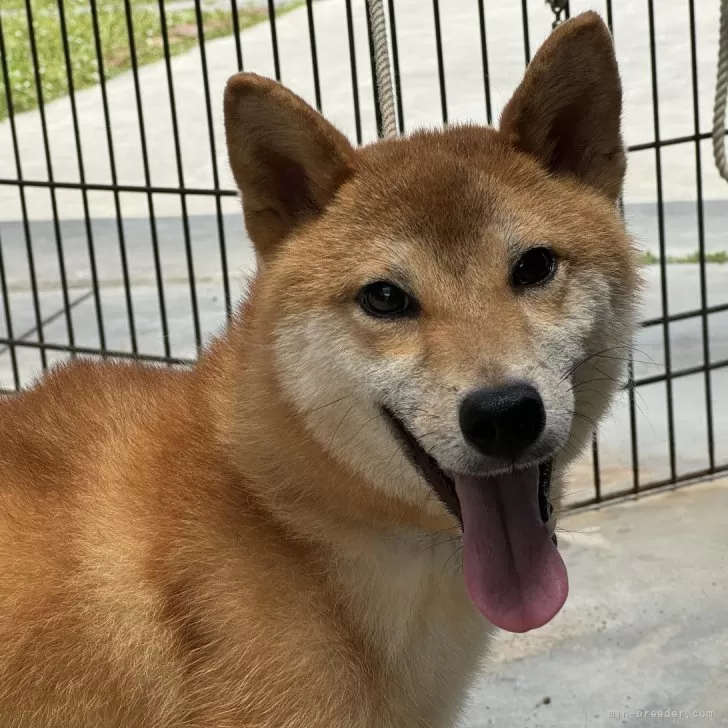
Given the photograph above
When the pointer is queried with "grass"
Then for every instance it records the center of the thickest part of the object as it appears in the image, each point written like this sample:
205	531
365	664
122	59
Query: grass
720	257
114	41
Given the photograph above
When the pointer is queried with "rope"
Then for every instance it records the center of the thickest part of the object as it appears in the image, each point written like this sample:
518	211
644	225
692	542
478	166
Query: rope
385	91
721	93
560	9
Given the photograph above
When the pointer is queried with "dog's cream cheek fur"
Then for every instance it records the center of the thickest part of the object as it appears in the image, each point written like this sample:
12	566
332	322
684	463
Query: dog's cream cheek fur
337	389
557	359
605	323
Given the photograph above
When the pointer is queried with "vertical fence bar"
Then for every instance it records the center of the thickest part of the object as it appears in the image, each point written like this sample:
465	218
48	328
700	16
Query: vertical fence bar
701	237
596	460
274	38
661	240
236	33
91	247
440	59
314	54
213	154
396	78
634	444
180	176
526	38
352	62
8	321
143	138
123	257
484	56
49	169
595	468
633	440
21	192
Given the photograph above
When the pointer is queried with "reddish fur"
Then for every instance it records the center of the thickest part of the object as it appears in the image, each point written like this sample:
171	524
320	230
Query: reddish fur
168	537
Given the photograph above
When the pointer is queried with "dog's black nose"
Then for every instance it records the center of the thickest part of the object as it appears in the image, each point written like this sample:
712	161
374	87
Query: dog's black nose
503	421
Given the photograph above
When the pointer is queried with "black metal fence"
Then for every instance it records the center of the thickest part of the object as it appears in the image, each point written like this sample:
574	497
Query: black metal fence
120	234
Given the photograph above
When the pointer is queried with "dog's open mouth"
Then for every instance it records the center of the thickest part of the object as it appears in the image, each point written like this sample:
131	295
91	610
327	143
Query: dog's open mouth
513	571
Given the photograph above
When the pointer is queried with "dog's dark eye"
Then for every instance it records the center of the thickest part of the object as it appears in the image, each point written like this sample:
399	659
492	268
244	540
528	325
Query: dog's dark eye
535	266
384	299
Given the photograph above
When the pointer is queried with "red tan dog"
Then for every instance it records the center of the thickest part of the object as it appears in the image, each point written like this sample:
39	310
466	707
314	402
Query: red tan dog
319	523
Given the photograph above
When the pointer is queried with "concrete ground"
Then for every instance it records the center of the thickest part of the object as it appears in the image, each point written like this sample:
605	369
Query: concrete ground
645	628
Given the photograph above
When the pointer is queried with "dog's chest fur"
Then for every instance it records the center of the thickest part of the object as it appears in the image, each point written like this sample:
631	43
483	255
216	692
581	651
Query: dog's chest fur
408	597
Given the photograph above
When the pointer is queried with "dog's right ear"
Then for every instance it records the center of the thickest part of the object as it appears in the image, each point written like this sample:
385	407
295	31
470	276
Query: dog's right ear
287	160
567	110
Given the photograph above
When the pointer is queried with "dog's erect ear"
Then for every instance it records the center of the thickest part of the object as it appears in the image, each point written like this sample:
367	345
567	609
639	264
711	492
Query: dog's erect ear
567	110
287	160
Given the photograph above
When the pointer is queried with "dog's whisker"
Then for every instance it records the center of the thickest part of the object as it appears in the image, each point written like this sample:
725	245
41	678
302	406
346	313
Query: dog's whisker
338	427
603	354
456	553
324	406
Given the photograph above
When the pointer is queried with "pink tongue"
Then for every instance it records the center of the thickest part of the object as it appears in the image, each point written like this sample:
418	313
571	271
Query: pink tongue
514	573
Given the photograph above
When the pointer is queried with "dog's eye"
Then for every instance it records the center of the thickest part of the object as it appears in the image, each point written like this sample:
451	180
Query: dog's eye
535	266
384	299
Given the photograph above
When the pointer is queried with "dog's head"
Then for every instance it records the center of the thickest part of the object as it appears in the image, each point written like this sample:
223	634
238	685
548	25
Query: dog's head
450	309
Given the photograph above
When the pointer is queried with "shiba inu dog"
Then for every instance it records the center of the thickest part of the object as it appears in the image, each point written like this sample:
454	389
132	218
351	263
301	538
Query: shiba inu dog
321	522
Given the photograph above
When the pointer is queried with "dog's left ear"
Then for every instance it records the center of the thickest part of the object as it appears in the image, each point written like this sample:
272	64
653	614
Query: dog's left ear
287	160
567	110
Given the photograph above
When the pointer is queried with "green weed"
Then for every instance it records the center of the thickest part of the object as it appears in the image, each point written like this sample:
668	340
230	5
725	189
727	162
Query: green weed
114	42
720	257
